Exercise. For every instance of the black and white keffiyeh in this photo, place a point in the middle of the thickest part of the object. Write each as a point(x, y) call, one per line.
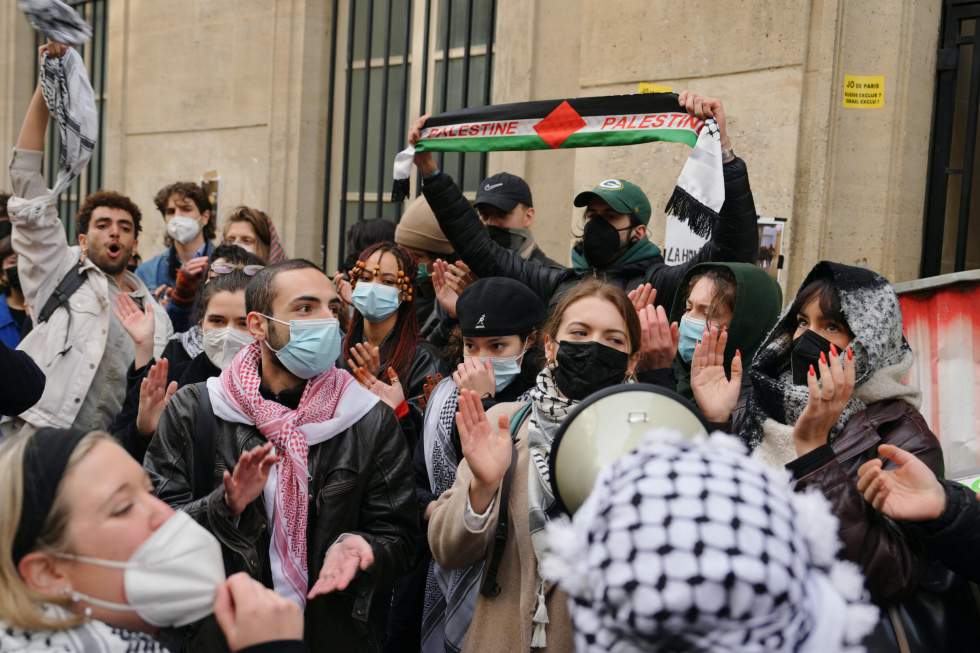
point(694, 546)
point(450, 594)
point(57, 21)
point(68, 94)
point(89, 637)
point(549, 408)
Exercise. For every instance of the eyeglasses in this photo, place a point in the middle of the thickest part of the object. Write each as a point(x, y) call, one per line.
point(226, 268)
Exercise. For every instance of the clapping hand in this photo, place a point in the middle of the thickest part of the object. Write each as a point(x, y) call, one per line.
point(487, 449)
point(392, 394)
point(366, 356)
point(154, 395)
point(341, 563)
point(446, 294)
point(139, 324)
point(658, 339)
point(642, 296)
point(715, 393)
point(910, 492)
point(246, 482)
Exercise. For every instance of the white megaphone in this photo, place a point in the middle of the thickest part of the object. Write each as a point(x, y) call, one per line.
point(607, 425)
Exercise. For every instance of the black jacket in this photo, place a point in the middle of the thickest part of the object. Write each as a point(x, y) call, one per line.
point(954, 538)
point(360, 482)
point(734, 238)
point(21, 381)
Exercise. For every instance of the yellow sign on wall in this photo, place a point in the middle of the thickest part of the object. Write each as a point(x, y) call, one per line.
point(864, 91)
point(650, 87)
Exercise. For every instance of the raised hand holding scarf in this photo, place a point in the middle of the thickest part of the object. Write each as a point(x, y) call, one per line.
point(587, 122)
point(69, 96)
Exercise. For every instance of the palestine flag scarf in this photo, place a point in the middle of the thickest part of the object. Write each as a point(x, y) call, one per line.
point(587, 122)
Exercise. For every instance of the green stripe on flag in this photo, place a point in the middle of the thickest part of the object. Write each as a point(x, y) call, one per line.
point(631, 137)
point(534, 142)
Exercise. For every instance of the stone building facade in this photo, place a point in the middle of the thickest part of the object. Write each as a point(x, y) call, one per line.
point(256, 90)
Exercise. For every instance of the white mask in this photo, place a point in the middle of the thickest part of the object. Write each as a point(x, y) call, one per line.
point(183, 228)
point(221, 345)
point(172, 578)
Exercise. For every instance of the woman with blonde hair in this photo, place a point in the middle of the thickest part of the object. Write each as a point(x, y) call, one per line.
point(90, 560)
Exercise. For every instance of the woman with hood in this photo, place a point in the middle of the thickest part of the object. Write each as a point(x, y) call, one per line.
point(728, 308)
point(826, 389)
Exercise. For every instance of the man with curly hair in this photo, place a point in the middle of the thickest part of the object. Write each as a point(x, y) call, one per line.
point(79, 341)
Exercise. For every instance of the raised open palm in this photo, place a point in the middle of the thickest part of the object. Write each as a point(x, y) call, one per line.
point(487, 449)
point(715, 393)
point(155, 392)
point(446, 295)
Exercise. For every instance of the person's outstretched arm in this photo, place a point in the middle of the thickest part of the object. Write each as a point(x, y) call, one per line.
point(39, 241)
point(735, 236)
point(462, 226)
point(946, 514)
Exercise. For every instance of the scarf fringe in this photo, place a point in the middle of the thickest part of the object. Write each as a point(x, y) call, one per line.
point(699, 218)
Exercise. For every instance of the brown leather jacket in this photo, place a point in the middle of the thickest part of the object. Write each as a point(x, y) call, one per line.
point(892, 561)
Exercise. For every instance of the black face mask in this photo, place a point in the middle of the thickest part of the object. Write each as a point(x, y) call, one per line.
point(13, 277)
point(806, 352)
point(587, 367)
point(600, 242)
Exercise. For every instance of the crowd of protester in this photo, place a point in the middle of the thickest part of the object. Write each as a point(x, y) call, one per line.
point(231, 449)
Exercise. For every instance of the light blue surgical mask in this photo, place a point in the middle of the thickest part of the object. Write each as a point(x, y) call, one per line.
point(691, 332)
point(375, 301)
point(313, 346)
point(505, 370)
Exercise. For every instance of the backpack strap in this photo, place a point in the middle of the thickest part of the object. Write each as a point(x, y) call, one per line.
point(69, 283)
point(203, 443)
point(488, 585)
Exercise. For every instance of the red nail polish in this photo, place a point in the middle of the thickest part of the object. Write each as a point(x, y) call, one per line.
point(823, 358)
point(850, 354)
point(833, 350)
point(812, 373)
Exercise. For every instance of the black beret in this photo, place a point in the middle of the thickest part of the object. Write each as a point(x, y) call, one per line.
point(499, 306)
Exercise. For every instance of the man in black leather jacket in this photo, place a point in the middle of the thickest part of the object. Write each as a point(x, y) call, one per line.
point(734, 237)
point(362, 524)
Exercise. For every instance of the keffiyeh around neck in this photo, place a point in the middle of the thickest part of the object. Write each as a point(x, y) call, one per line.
point(92, 636)
point(235, 397)
point(693, 546)
point(549, 408)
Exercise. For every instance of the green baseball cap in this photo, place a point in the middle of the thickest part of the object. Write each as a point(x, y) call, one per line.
point(623, 196)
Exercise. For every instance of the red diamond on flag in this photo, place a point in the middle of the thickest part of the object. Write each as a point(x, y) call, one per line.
point(555, 128)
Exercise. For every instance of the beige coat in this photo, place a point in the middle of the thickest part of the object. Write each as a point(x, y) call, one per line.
point(43, 258)
point(503, 623)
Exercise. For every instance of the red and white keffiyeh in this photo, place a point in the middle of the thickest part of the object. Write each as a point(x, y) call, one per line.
point(237, 391)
